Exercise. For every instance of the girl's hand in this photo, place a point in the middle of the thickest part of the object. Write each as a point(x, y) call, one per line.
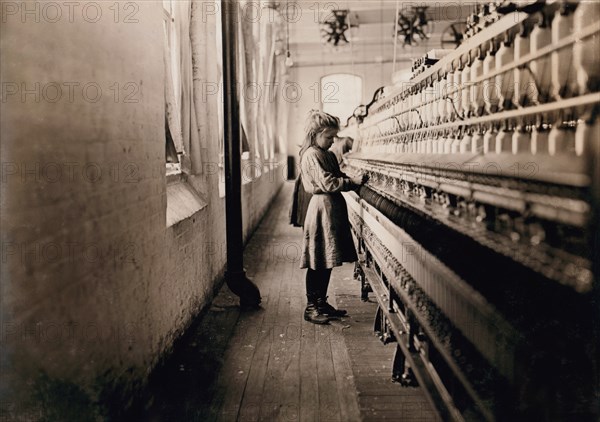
point(358, 180)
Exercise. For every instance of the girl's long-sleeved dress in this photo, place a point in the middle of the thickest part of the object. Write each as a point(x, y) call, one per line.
point(327, 239)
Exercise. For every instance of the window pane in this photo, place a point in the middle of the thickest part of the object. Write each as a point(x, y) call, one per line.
point(341, 93)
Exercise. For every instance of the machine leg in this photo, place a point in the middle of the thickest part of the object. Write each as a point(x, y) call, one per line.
point(365, 287)
point(378, 324)
point(365, 290)
point(401, 372)
point(381, 327)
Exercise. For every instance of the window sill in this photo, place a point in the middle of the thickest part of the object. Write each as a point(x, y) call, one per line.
point(173, 168)
point(182, 200)
point(175, 177)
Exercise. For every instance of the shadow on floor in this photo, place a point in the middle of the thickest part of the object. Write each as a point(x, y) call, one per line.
point(183, 387)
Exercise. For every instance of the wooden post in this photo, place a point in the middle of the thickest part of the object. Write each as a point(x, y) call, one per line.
point(235, 276)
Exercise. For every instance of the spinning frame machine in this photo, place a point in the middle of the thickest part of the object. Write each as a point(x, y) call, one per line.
point(477, 231)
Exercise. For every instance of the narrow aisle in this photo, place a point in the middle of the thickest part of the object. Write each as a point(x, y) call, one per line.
point(270, 364)
point(279, 367)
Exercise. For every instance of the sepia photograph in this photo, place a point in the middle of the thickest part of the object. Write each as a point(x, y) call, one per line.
point(299, 210)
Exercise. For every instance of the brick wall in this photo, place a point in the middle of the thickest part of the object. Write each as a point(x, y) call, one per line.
point(95, 287)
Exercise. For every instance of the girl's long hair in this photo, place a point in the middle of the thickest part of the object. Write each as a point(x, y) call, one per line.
point(317, 122)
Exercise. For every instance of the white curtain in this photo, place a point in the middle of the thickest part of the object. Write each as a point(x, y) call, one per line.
point(172, 105)
point(180, 104)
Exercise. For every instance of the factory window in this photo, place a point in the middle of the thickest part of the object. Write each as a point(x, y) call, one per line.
point(341, 93)
point(173, 133)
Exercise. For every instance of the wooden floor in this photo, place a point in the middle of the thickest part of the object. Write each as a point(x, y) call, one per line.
point(277, 367)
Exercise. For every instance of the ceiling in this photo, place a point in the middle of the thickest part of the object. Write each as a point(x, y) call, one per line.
point(374, 41)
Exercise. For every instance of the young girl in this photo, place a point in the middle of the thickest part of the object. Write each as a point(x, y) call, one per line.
point(327, 239)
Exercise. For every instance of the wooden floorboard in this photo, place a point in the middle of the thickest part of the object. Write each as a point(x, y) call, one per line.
point(273, 405)
point(309, 398)
point(329, 406)
point(344, 376)
point(290, 388)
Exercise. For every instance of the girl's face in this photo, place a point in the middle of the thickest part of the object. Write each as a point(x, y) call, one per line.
point(325, 138)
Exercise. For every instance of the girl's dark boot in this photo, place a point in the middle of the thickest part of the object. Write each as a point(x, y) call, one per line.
point(328, 310)
point(324, 307)
point(311, 313)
